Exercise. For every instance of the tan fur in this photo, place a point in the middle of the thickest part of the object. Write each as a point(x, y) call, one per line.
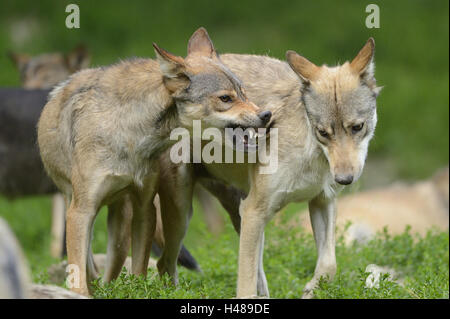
point(361, 61)
point(103, 129)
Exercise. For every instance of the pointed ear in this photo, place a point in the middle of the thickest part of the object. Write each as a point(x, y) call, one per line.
point(19, 59)
point(363, 63)
point(173, 69)
point(200, 43)
point(79, 58)
point(305, 69)
point(171, 65)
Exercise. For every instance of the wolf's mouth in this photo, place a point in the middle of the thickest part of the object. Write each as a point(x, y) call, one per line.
point(246, 138)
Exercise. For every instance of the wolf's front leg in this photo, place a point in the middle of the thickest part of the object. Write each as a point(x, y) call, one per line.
point(322, 212)
point(263, 289)
point(230, 198)
point(254, 219)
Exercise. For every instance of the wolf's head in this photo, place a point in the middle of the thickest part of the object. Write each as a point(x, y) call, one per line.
point(341, 108)
point(205, 89)
point(46, 70)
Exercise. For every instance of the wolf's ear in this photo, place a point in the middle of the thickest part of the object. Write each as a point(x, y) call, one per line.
point(19, 59)
point(173, 69)
point(77, 59)
point(364, 66)
point(200, 43)
point(305, 69)
point(363, 63)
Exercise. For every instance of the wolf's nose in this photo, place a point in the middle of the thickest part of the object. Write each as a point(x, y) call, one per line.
point(265, 116)
point(344, 179)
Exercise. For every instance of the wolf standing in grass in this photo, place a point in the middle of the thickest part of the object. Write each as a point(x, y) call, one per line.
point(102, 131)
point(325, 118)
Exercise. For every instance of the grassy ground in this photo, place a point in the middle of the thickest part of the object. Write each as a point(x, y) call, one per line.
point(423, 263)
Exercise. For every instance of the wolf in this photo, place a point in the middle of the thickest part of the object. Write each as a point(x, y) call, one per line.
point(21, 169)
point(325, 117)
point(102, 131)
point(46, 70)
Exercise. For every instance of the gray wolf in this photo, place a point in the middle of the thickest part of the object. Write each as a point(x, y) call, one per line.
point(421, 205)
point(46, 70)
point(21, 169)
point(325, 118)
point(102, 131)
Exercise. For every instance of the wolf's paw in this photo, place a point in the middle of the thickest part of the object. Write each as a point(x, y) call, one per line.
point(308, 294)
point(308, 291)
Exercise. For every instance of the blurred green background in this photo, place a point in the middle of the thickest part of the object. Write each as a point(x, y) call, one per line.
point(412, 136)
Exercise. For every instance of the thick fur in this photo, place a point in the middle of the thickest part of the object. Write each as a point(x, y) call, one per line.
point(304, 99)
point(102, 131)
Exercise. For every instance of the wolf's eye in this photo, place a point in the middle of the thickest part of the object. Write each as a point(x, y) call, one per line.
point(357, 128)
point(225, 98)
point(323, 133)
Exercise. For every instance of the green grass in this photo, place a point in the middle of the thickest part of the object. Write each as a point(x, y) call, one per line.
point(289, 260)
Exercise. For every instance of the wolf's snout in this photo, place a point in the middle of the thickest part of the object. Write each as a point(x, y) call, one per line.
point(265, 116)
point(343, 179)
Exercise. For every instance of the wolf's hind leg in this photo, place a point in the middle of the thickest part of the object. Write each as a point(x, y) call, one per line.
point(80, 220)
point(143, 225)
point(175, 220)
point(120, 215)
